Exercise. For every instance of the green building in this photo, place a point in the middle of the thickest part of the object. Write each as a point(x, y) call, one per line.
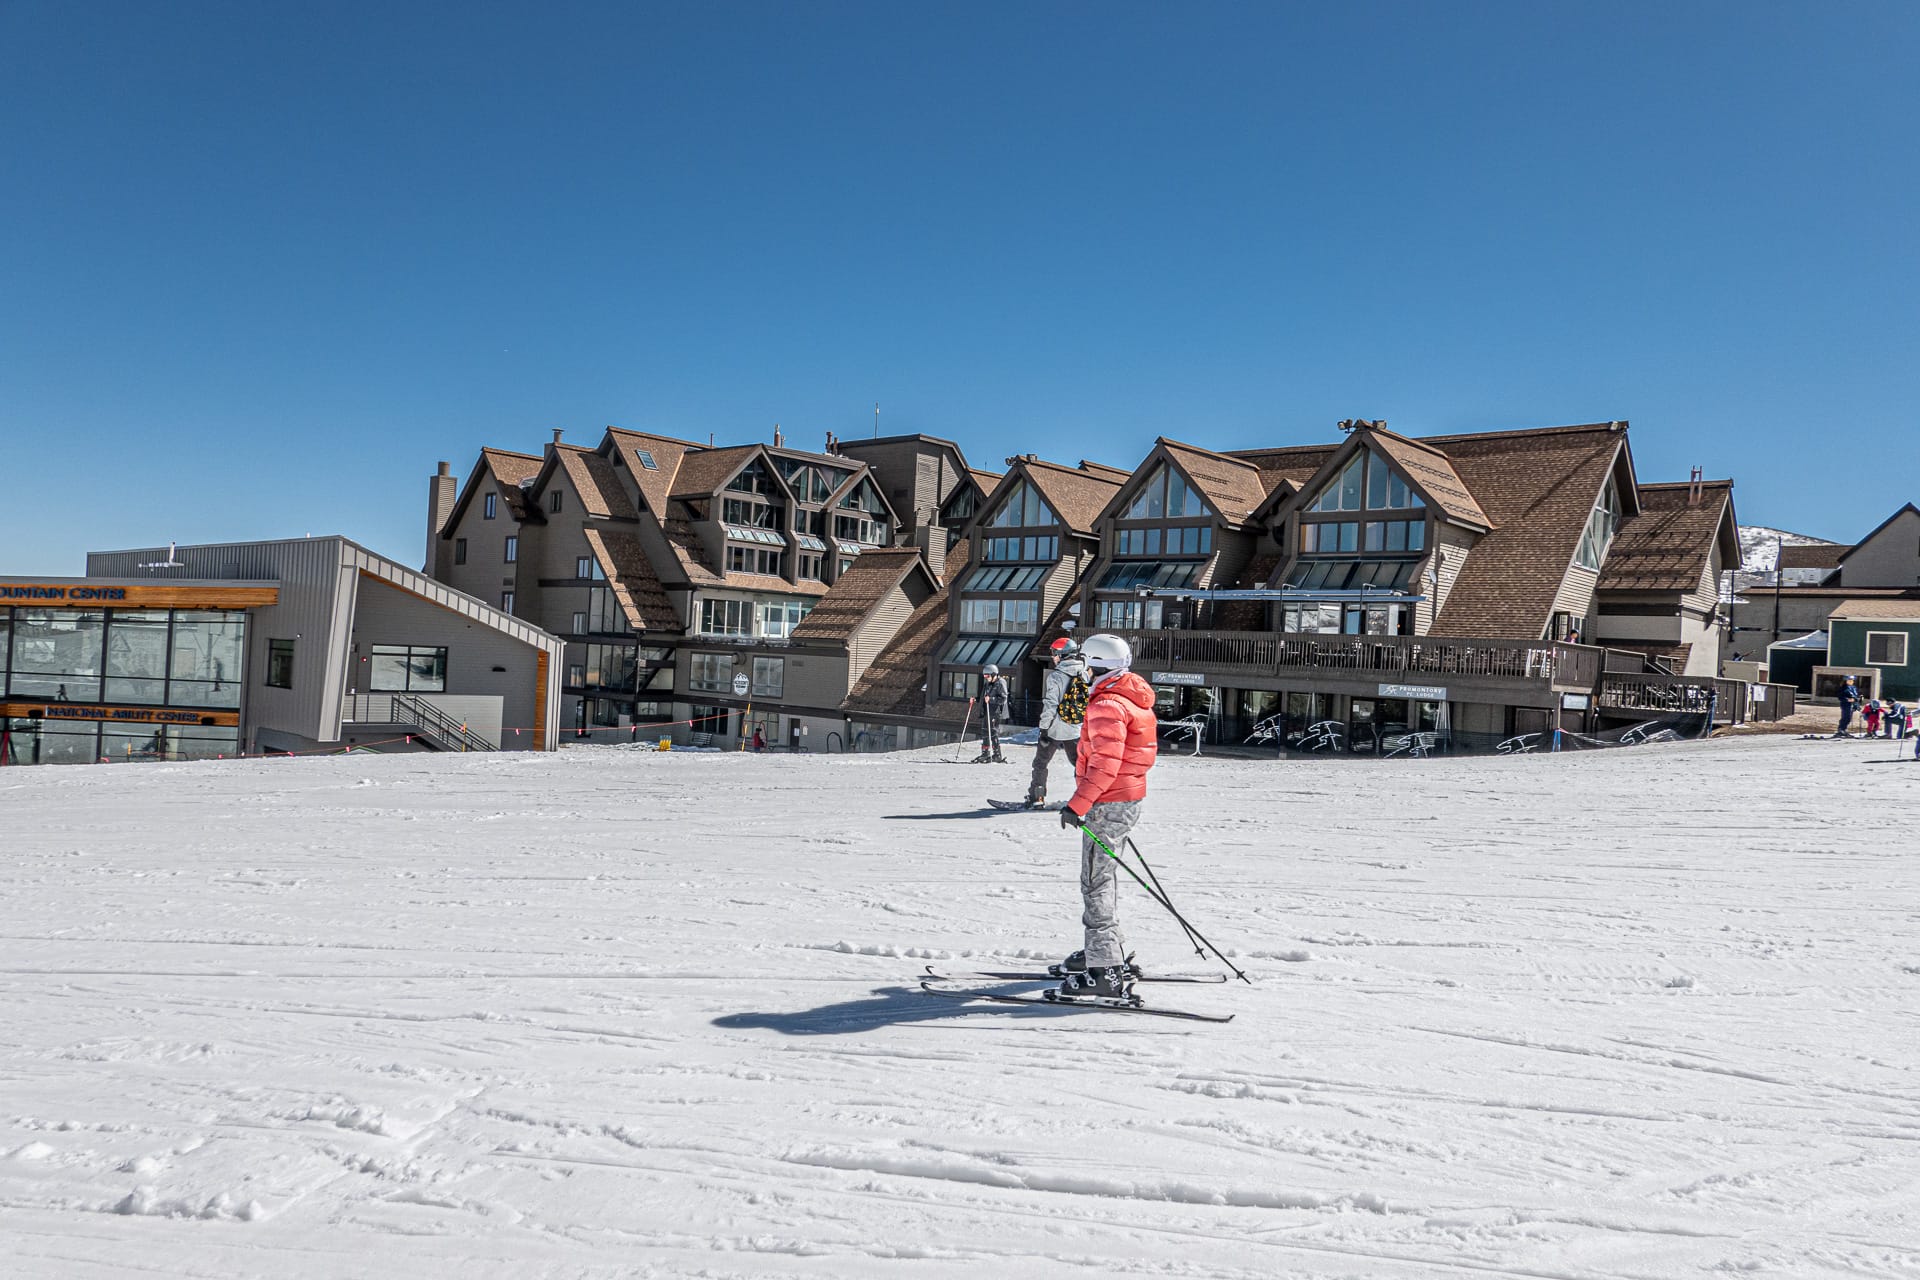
point(1881, 636)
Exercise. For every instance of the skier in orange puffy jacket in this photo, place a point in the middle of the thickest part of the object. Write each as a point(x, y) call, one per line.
point(1119, 741)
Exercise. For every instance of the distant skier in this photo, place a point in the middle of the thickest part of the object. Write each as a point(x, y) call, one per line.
point(993, 710)
point(1872, 717)
point(1063, 706)
point(1849, 699)
point(1119, 742)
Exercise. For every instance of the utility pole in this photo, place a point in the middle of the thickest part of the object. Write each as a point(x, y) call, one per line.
point(876, 419)
point(1779, 549)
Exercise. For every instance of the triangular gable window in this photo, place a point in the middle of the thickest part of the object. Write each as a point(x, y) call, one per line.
point(1166, 496)
point(1368, 478)
point(1023, 508)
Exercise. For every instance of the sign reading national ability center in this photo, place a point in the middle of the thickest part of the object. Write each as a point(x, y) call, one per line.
point(1418, 692)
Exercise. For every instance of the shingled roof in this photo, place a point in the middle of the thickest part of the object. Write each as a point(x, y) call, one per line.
point(1812, 555)
point(656, 482)
point(1284, 472)
point(894, 684)
point(1885, 610)
point(599, 487)
point(1076, 496)
point(704, 472)
point(1232, 486)
point(1668, 546)
point(863, 586)
point(508, 470)
point(1537, 488)
point(631, 578)
point(1435, 475)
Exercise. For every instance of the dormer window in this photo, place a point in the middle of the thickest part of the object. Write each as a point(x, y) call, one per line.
point(1367, 476)
point(753, 478)
point(1023, 508)
point(489, 505)
point(1166, 496)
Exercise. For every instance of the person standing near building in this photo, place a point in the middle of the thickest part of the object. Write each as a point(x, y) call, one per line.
point(1119, 742)
point(1849, 699)
point(993, 709)
point(1063, 705)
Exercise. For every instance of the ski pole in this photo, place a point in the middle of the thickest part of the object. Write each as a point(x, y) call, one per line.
point(1164, 895)
point(964, 722)
point(1128, 868)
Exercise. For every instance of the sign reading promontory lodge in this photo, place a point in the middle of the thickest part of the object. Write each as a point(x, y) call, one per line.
point(159, 594)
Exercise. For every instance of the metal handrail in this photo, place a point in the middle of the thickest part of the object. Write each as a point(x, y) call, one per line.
point(427, 716)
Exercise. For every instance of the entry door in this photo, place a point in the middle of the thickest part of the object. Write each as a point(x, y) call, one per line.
point(1363, 727)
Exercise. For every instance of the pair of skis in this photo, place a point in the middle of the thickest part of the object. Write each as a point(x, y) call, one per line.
point(955, 986)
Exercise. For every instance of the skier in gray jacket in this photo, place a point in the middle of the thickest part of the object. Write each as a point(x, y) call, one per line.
point(1058, 732)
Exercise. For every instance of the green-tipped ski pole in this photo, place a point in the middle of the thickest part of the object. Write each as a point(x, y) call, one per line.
point(1161, 899)
point(1146, 866)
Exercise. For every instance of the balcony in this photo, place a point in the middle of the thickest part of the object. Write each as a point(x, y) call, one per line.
point(1544, 666)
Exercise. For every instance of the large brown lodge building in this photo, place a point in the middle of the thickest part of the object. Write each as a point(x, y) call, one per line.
point(1370, 592)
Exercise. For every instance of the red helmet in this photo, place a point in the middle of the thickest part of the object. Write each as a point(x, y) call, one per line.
point(1063, 646)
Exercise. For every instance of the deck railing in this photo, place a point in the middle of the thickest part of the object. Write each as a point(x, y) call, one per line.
point(1548, 663)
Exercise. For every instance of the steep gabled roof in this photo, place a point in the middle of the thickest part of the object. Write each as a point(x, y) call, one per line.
point(1232, 486)
point(985, 479)
point(499, 471)
point(1076, 496)
point(656, 482)
point(1879, 529)
point(593, 478)
point(895, 683)
point(1538, 488)
point(1668, 546)
point(705, 472)
point(1432, 473)
point(631, 578)
point(858, 591)
point(1285, 472)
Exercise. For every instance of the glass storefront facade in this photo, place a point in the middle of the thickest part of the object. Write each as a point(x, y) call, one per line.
point(167, 660)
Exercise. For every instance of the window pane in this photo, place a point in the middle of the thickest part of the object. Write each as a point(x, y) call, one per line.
point(1350, 536)
point(1350, 485)
point(1416, 535)
point(1378, 482)
point(57, 653)
point(137, 657)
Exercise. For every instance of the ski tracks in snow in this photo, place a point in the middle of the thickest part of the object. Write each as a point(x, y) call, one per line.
point(1641, 1013)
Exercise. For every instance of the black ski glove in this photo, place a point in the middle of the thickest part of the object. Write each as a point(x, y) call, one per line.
point(1070, 821)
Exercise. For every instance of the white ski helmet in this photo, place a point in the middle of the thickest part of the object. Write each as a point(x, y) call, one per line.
point(1106, 654)
point(990, 670)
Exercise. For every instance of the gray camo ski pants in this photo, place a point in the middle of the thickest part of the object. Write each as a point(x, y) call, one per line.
point(1100, 881)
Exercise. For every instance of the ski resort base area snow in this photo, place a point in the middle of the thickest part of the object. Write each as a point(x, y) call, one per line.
point(1648, 1013)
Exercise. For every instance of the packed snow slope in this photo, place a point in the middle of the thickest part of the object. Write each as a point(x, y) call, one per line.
point(1641, 1013)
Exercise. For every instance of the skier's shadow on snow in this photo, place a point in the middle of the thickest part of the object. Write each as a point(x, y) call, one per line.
point(891, 1006)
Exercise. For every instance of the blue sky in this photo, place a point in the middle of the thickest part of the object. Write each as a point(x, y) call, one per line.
point(262, 266)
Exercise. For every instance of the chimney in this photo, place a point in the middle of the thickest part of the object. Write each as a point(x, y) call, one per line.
point(554, 443)
point(442, 488)
point(931, 539)
point(1693, 488)
point(778, 439)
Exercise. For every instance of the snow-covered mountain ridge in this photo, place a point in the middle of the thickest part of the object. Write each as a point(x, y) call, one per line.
point(1760, 546)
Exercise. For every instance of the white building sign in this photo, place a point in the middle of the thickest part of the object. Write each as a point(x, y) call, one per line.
point(1418, 692)
point(741, 684)
point(1178, 677)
